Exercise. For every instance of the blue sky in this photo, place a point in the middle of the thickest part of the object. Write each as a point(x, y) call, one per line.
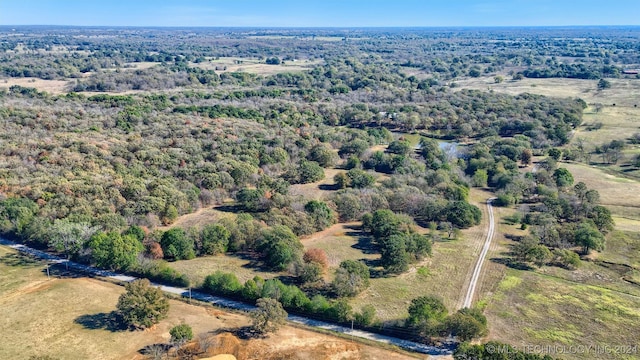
point(320, 13)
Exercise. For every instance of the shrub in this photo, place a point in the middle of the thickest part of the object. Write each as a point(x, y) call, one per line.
point(222, 283)
point(181, 334)
point(352, 277)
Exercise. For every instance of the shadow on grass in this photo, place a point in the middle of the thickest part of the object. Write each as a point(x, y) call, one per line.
point(329, 187)
point(243, 332)
point(512, 263)
point(102, 321)
point(365, 242)
point(20, 260)
point(61, 271)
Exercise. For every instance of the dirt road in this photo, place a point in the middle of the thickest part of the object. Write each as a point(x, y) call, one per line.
point(483, 254)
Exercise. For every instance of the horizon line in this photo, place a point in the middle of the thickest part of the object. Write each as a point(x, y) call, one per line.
point(318, 27)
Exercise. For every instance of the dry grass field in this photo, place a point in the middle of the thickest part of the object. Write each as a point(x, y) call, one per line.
point(51, 86)
point(67, 318)
point(255, 66)
point(198, 219)
point(621, 195)
point(197, 269)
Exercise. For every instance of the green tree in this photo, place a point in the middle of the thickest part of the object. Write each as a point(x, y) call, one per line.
point(215, 239)
point(525, 157)
point(310, 172)
point(465, 326)
point(566, 258)
point(563, 177)
point(383, 224)
point(341, 180)
point(601, 216)
point(322, 215)
point(135, 231)
point(310, 272)
point(169, 215)
point(181, 334)
point(462, 214)
point(394, 254)
point(604, 84)
point(555, 154)
point(251, 199)
point(16, 214)
point(588, 236)
point(352, 277)
point(427, 313)
point(400, 147)
point(323, 155)
point(142, 305)
point(418, 246)
point(360, 179)
point(480, 178)
point(252, 288)
point(279, 247)
point(114, 251)
point(177, 245)
point(269, 316)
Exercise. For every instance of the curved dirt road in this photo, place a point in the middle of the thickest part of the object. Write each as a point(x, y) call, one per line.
point(483, 254)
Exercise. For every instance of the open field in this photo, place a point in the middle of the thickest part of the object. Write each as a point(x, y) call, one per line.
point(199, 218)
point(623, 92)
point(317, 190)
point(343, 241)
point(50, 86)
point(197, 269)
point(68, 318)
point(618, 123)
point(621, 195)
point(534, 309)
point(255, 66)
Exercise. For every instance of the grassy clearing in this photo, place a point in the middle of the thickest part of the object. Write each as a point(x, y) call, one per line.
point(197, 269)
point(51, 86)
point(623, 247)
point(255, 66)
point(534, 309)
point(198, 219)
point(317, 190)
point(621, 195)
point(343, 241)
point(618, 123)
point(623, 92)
